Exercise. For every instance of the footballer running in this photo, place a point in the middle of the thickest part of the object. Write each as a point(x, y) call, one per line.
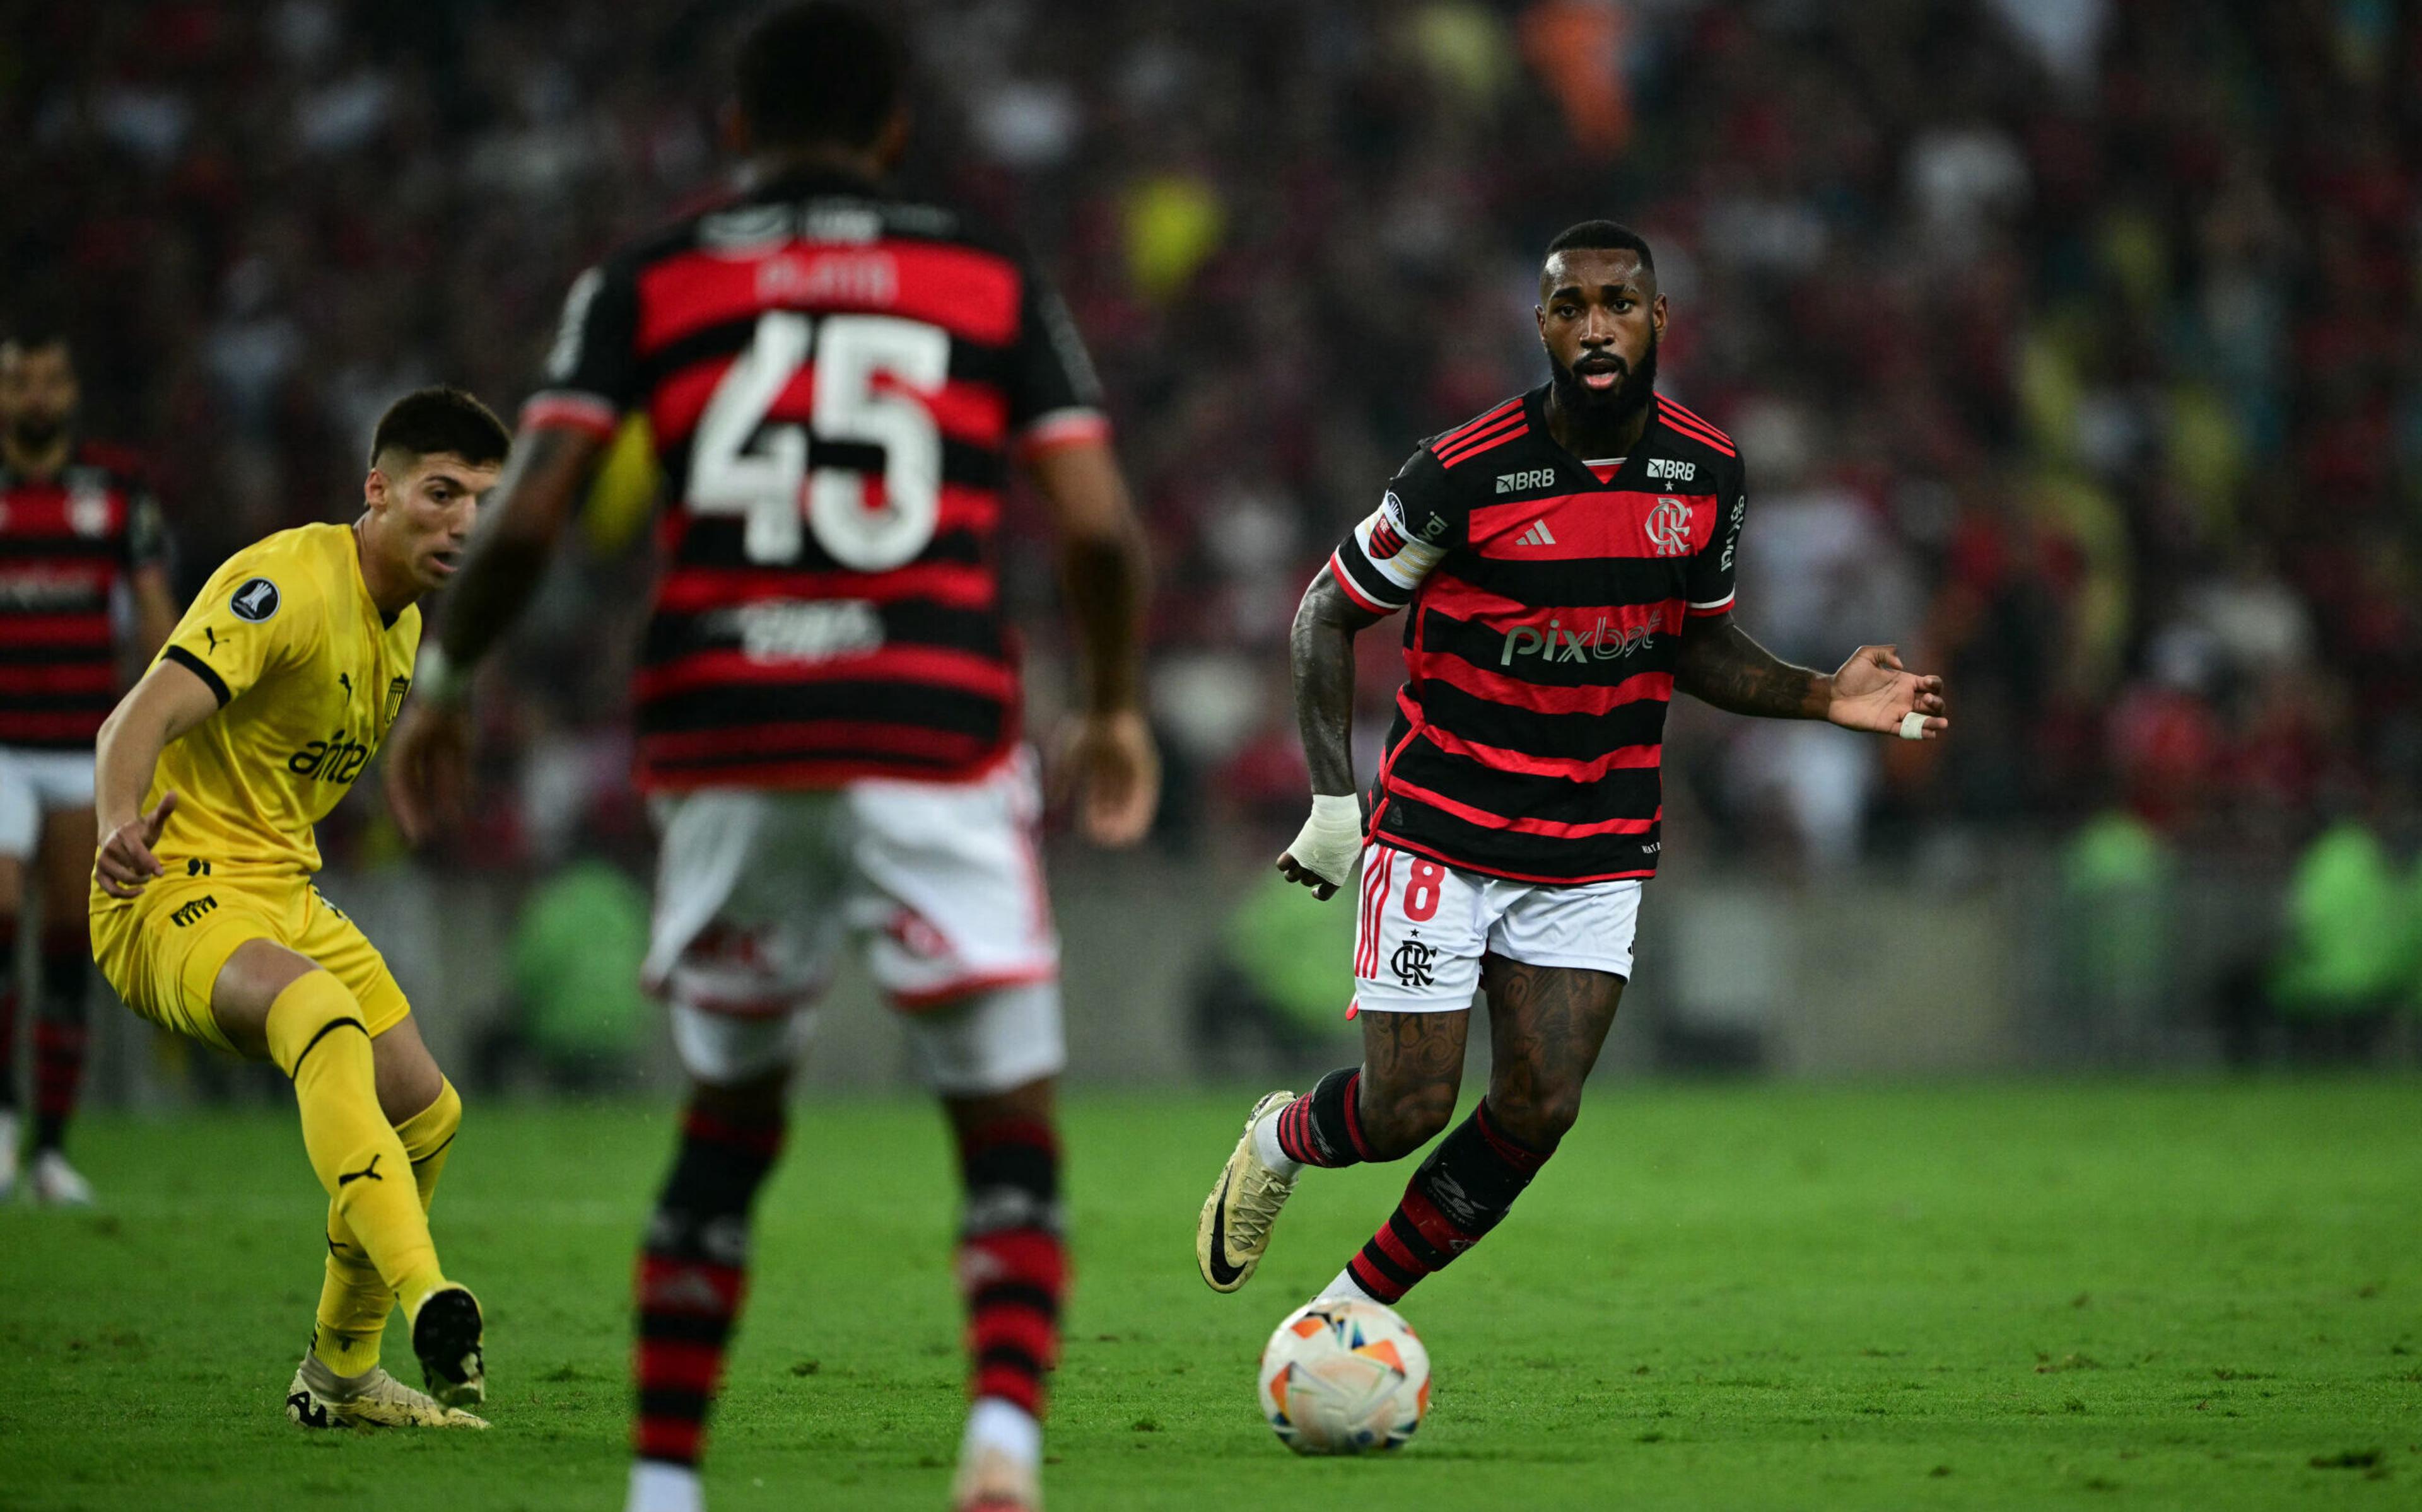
point(1566, 561)
point(269, 699)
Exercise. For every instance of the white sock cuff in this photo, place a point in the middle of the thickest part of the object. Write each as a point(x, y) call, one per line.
point(994, 1424)
point(1266, 1145)
point(1346, 1289)
point(657, 1486)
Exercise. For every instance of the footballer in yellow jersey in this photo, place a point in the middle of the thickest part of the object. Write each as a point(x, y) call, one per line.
point(256, 719)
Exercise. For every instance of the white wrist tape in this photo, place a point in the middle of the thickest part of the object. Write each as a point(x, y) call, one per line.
point(1331, 838)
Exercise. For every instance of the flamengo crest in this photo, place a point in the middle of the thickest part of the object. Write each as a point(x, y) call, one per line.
point(1669, 527)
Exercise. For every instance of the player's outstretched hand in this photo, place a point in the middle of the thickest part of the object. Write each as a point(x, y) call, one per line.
point(1874, 691)
point(126, 862)
point(429, 769)
point(1110, 762)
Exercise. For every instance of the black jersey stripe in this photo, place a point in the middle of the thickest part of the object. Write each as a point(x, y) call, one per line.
point(1624, 794)
point(60, 703)
point(102, 551)
point(735, 706)
point(61, 653)
point(1562, 736)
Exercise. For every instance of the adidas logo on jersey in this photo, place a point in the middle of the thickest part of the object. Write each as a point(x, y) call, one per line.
point(1539, 535)
point(1538, 477)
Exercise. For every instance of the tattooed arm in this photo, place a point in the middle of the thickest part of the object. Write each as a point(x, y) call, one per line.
point(1320, 653)
point(1720, 664)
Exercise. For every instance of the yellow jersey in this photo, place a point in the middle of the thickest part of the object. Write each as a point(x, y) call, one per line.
point(309, 677)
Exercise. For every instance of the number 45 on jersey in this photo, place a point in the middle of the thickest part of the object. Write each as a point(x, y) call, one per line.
point(774, 484)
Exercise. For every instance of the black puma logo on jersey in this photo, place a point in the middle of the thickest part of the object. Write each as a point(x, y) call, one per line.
point(346, 678)
point(213, 636)
point(370, 1171)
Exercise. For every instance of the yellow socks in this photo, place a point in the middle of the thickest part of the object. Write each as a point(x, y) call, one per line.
point(354, 1304)
point(428, 1136)
point(354, 1301)
point(316, 1036)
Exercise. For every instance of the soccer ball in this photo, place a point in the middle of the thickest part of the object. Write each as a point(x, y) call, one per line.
point(1344, 1378)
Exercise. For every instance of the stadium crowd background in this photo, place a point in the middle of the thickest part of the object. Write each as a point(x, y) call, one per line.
point(2074, 345)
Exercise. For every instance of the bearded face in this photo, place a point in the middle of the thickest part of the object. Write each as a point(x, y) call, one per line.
point(37, 393)
point(1603, 389)
point(1600, 320)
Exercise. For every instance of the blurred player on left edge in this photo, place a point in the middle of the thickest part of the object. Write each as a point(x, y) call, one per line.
point(77, 525)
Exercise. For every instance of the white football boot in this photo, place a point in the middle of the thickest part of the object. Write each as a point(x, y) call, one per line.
point(320, 1398)
point(1236, 1217)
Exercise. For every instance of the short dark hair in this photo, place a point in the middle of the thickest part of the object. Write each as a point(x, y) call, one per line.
point(440, 418)
point(1603, 236)
point(821, 73)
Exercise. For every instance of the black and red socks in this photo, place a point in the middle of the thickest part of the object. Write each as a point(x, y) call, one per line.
point(693, 1273)
point(1324, 1126)
point(1012, 1263)
point(1456, 1196)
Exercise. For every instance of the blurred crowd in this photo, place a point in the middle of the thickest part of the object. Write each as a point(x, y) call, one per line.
point(2074, 345)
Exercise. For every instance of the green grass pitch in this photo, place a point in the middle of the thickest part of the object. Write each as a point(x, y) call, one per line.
point(2007, 1295)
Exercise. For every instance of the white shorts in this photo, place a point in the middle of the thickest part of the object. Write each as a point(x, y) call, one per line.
point(758, 891)
point(34, 783)
point(1425, 926)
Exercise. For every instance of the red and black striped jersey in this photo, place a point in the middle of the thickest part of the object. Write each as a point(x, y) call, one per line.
point(1547, 593)
point(66, 542)
point(837, 382)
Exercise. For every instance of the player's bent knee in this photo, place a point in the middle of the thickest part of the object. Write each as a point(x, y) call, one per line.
point(432, 1127)
point(1538, 1122)
point(307, 1010)
point(1397, 1124)
point(256, 975)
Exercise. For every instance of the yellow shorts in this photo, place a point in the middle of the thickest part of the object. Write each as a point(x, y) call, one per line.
point(163, 948)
